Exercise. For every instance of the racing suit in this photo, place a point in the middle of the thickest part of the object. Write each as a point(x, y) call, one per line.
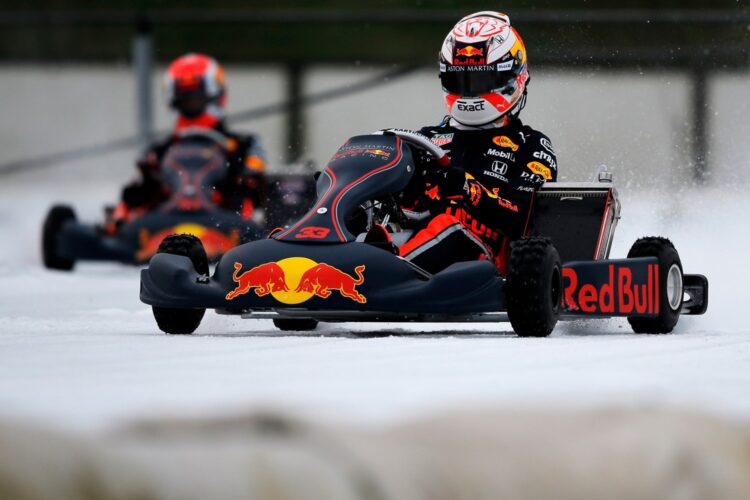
point(483, 200)
point(243, 188)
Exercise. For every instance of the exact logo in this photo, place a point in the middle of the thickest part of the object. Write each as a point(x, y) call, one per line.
point(297, 279)
point(504, 142)
point(540, 169)
point(471, 106)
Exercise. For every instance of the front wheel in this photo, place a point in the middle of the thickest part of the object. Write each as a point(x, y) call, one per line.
point(670, 284)
point(56, 219)
point(182, 321)
point(533, 290)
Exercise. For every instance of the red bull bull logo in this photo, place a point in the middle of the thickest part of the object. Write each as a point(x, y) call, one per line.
point(215, 242)
point(297, 279)
point(378, 152)
point(470, 51)
point(263, 279)
point(362, 151)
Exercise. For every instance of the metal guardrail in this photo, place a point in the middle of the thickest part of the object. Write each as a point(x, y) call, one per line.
point(238, 117)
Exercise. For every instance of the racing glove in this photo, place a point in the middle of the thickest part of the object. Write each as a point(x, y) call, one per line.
point(455, 186)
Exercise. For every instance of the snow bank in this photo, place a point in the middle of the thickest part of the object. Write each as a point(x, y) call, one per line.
point(522, 455)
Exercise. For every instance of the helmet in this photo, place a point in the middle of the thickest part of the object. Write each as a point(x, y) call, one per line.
point(483, 69)
point(195, 87)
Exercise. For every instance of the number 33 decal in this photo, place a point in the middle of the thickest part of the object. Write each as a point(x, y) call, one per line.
point(314, 232)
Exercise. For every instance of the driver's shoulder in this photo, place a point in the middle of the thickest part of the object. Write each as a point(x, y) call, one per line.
point(241, 142)
point(534, 138)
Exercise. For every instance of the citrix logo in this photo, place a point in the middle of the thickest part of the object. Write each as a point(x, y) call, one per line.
point(541, 155)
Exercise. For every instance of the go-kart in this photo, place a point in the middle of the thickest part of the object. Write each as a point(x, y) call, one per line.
point(192, 167)
point(325, 268)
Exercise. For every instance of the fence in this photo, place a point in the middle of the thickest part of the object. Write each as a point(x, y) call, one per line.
point(697, 66)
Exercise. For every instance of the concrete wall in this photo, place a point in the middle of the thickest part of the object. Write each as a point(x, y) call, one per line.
point(636, 123)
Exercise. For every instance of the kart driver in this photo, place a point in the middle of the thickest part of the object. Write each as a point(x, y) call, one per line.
point(196, 90)
point(475, 207)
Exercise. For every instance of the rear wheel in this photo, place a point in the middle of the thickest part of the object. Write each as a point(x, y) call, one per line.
point(534, 288)
point(295, 324)
point(57, 218)
point(670, 284)
point(182, 321)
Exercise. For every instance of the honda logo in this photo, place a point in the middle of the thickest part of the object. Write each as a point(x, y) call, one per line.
point(499, 167)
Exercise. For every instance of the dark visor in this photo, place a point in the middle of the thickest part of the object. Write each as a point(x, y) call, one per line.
point(471, 81)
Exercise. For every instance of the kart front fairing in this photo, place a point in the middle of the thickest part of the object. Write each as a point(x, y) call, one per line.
point(192, 167)
point(138, 240)
point(317, 264)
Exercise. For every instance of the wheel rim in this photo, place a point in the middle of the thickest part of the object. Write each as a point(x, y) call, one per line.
point(555, 291)
point(674, 287)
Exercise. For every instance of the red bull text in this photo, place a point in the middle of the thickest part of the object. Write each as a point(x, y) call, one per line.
point(617, 288)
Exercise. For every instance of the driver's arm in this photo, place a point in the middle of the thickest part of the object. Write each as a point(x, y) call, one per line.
point(245, 186)
point(504, 206)
point(148, 190)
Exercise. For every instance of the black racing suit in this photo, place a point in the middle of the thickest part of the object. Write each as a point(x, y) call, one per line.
point(242, 189)
point(498, 171)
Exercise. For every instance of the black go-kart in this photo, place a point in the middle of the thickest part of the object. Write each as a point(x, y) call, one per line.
point(328, 268)
point(191, 169)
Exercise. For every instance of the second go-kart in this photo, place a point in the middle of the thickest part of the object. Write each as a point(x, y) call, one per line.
point(191, 168)
point(323, 269)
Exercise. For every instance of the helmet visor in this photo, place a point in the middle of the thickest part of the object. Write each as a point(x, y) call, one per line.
point(472, 81)
point(190, 102)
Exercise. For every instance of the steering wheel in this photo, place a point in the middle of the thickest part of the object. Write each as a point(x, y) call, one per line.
point(422, 142)
point(203, 133)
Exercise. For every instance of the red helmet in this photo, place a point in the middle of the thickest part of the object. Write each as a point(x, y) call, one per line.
point(195, 87)
point(483, 69)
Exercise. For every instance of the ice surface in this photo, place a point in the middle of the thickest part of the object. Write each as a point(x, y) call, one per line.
point(79, 350)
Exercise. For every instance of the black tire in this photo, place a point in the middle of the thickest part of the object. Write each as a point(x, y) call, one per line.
point(664, 250)
point(57, 217)
point(182, 321)
point(296, 324)
point(534, 288)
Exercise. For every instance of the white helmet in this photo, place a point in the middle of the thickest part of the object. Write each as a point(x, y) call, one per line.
point(483, 69)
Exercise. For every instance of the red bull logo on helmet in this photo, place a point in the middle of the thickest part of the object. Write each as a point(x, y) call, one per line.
point(297, 279)
point(469, 51)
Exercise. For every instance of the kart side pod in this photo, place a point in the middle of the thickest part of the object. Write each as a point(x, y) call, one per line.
point(632, 287)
